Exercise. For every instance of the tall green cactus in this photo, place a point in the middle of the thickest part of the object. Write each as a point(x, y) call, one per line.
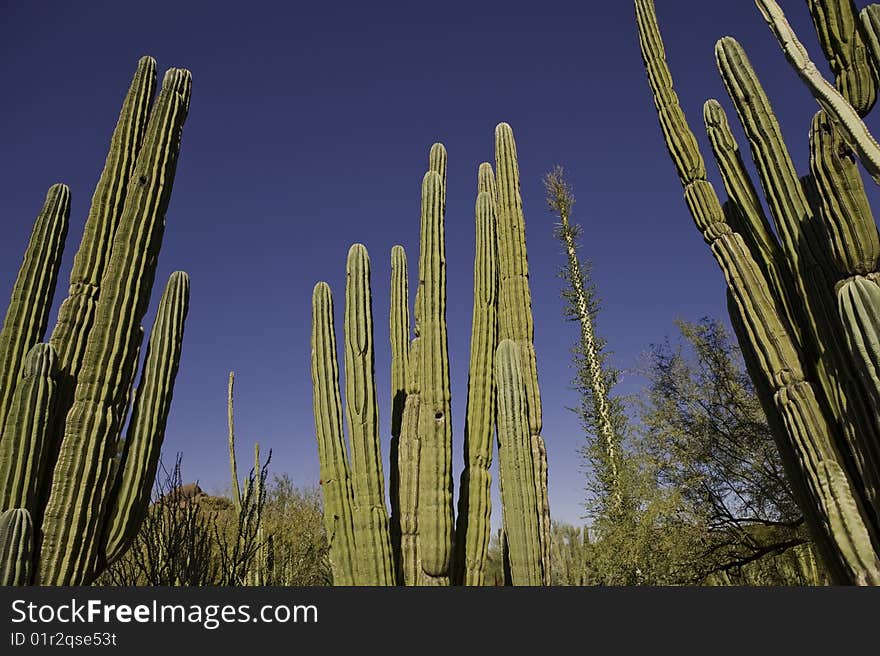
point(335, 471)
point(85, 485)
point(355, 515)
point(782, 293)
point(399, 330)
point(515, 314)
point(473, 529)
point(435, 420)
point(421, 531)
point(28, 312)
point(519, 492)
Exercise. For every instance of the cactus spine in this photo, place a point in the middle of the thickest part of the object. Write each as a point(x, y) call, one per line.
point(786, 322)
point(69, 467)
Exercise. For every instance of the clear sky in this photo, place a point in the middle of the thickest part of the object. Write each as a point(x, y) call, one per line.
point(309, 130)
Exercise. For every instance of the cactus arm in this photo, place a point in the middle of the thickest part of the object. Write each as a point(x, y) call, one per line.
point(336, 484)
point(16, 547)
point(25, 447)
point(840, 35)
point(869, 17)
point(79, 496)
point(408, 468)
point(521, 525)
point(399, 330)
point(435, 430)
point(372, 537)
point(845, 117)
point(473, 530)
point(846, 212)
point(846, 523)
point(146, 430)
point(28, 313)
point(515, 320)
point(77, 312)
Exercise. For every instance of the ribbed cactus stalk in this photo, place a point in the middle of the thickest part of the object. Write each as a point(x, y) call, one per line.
point(515, 309)
point(152, 403)
point(790, 334)
point(77, 312)
point(16, 547)
point(335, 472)
point(399, 330)
point(25, 447)
point(473, 529)
point(435, 421)
point(805, 247)
point(408, 475)
point(519, 493)
point(63, 457)
point(421, 532)
point(28, 312)
point(371, 533)
point(79, 498)
point(840, 35)
point(845, 116)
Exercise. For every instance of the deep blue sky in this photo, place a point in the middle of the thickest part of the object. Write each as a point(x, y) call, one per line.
point(309, 130)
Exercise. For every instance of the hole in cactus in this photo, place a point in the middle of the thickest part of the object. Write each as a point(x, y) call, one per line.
point(142, 180)
point(438, 416)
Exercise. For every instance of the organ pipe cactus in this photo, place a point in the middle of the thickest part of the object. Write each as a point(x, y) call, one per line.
point(335, 470)
point(515, 314)
point(355, 516)
point(782, 292)
point(65, 459)
point(473, 529)
point(519, 492)
point(421, 531)
point(435, 428)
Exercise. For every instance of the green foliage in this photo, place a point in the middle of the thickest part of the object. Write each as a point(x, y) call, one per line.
point(191, 538)
point(67, 460)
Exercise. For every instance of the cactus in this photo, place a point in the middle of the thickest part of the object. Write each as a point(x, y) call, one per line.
point(421, 531)
point(519, 492)
point(353, 494)
point(16, 547)
point(399, 330)
point(435, 429)
point(335, 471)
point(408, 475)
point(782, 293)
point(65, 461)
point(28, 312)
point(845, 116)
point(474, 505)
point(515, 312)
